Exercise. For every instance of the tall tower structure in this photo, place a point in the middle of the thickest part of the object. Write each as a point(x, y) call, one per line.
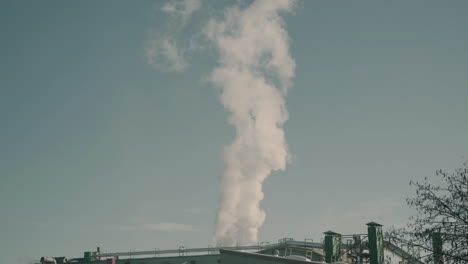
point(376, 252)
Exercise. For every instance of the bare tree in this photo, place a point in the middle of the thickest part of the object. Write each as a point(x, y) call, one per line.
point(439, 231)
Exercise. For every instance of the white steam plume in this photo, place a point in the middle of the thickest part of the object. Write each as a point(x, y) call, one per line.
point(162, 51)
point(182, 8)
point(254, 74)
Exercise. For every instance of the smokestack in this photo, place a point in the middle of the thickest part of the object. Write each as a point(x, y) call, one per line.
point(332, 246)
point(254, 74)
point(374, 233)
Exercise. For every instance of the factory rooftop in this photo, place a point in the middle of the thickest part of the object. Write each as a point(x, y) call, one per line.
point(334, 248)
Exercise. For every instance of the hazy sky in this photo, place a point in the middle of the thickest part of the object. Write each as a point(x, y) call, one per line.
point(105, 142)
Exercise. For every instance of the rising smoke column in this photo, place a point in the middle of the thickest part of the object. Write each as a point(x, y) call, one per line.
point(254, 74)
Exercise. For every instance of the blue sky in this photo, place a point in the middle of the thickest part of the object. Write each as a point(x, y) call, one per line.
point(100, 148)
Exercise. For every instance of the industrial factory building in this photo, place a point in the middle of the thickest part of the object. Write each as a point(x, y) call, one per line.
point(335, 248)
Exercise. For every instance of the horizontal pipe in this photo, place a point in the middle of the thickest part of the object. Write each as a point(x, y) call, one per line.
point(209, 249)
point(174, 251)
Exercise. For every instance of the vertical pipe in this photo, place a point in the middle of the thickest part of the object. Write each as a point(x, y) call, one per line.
point(357, 248)
point(437, 248)
point(374, 233)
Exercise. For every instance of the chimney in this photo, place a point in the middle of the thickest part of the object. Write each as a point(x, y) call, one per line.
point(332, 246)
point(374, 233)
